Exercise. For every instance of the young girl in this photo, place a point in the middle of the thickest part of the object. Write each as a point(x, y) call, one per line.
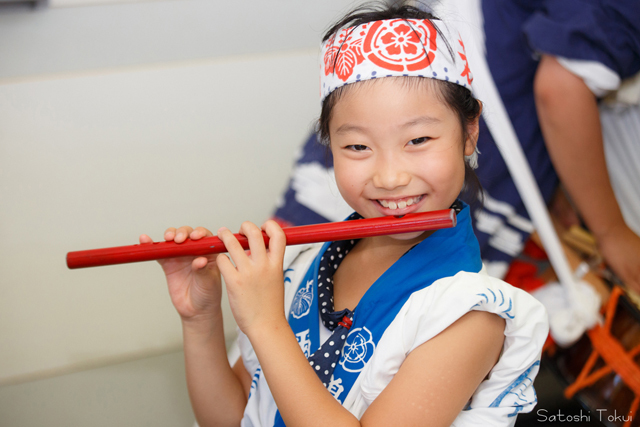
point(403, 330)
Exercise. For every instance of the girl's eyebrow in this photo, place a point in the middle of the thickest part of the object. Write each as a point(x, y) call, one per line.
point(421, 120)
point(348, 127)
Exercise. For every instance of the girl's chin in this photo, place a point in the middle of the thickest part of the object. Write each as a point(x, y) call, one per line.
point(407, 236)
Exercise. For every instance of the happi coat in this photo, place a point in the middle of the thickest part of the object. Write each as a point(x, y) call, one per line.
point(425, 291)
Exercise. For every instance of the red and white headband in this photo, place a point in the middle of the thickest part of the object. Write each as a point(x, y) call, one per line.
point(392, 48)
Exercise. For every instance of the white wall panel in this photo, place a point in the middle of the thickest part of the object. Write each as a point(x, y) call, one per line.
point(93, 161)
point(64, 40)
point(146, 392)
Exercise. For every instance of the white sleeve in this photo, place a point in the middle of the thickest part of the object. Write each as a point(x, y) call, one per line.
point(599, 78)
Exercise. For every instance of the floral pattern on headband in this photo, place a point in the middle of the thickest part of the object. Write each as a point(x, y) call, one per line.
point(397, 45)
point(401, 45)
point(342, 56)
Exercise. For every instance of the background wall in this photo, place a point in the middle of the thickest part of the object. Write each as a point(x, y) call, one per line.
point(122, 118)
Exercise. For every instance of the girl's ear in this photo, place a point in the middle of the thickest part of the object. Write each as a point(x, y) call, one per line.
point(473, 131)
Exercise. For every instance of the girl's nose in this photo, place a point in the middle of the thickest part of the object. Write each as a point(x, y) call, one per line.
point(390, 175)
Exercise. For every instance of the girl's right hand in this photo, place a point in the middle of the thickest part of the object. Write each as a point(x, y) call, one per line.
point(194, 282)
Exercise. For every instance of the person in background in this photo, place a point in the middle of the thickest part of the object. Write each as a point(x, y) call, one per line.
point(551, 62)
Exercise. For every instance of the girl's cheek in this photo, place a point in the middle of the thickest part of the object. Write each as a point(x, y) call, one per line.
point(345, 171)
point(342, 179)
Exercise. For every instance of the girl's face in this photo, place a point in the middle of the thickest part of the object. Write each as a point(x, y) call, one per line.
point(397, 149)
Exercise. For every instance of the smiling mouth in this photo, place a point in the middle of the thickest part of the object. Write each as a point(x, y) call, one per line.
point(399, 203)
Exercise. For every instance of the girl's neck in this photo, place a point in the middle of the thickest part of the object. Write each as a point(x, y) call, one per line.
point(388, 246)
point(364, 264)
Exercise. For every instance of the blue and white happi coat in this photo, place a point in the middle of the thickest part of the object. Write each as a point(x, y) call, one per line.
point(424, 292)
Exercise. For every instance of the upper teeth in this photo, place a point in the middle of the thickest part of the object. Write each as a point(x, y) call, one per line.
point(399, 204)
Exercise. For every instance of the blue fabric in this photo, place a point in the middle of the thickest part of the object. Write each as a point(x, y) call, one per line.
point(513, 67)
point(443, 254)
point(603, 31)
point(326, 358)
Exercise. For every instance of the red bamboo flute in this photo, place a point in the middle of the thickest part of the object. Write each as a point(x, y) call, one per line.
point(356, 229)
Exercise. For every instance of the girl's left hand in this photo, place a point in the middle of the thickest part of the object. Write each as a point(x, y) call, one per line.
point(255, 284)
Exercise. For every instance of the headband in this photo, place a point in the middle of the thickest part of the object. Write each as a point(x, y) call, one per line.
point(392, 48)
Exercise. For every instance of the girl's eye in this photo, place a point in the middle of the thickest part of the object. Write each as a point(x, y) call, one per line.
point(419, 141)
point(357, 147)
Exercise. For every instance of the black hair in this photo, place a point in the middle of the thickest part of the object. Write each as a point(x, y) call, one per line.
point(458, 98)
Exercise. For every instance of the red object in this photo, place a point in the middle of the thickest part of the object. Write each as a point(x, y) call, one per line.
point(523, 275)
point(534, 251)
point(346, 322)
point(332, 231)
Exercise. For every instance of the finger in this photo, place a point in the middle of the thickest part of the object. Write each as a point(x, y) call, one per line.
point(277, 240)
point(169, 234)
point(235, 250)
point(256, 240)
point(226, 268)
point(199, 233)
point(199, 263)
point(182, 234)
point(145, 239)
